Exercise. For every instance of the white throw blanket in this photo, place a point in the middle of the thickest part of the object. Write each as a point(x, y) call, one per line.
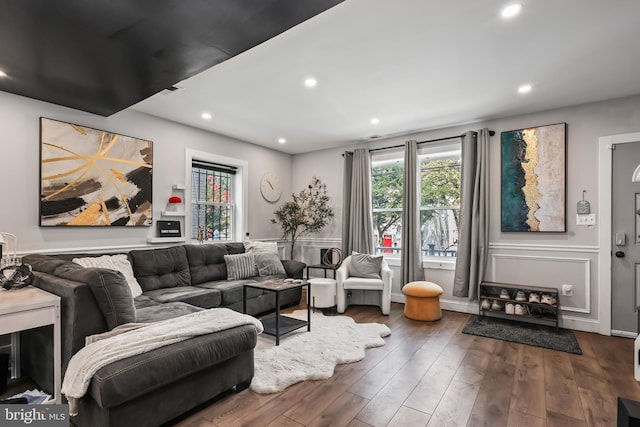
point(86, 362)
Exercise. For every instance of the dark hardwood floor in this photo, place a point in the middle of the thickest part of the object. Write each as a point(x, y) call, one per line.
point(432, 374)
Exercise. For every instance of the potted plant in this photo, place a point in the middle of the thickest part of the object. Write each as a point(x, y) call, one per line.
point(307, 212)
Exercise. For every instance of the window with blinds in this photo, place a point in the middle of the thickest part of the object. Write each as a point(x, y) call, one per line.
point(212, 196)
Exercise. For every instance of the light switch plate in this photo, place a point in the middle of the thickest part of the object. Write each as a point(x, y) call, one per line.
point(589, 219)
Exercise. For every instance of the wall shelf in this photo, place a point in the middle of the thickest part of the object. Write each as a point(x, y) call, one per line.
point(166, 239)
point(179, 187)
point(174, 213)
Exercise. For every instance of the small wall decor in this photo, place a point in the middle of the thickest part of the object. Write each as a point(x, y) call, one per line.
point(90, 177)
point(533, 179)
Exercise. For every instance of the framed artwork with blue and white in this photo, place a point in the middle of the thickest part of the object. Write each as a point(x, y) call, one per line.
point(533, 179)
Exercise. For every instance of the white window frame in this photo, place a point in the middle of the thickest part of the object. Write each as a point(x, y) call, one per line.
point(240, 190)
point(423, 151)
point(441, 149)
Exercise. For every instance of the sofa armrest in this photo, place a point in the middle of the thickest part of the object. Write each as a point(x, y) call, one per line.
point(294, 269)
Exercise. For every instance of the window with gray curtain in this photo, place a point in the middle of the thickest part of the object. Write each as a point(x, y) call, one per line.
point(439, 205)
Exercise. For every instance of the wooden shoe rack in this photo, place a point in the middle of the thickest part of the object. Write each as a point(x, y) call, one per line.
point(538, 313)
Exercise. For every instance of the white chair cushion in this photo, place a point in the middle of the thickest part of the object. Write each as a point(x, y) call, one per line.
point(362, 283)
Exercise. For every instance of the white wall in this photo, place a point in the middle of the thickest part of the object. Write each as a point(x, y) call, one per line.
point(545, 259)
point(19, 173)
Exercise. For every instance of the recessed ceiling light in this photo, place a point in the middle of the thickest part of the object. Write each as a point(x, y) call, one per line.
point(310, 82)
point(511, 10)
point(206, 116)
point(524, 89)
point(375, 121)
point(281, 140)
point(3, 74)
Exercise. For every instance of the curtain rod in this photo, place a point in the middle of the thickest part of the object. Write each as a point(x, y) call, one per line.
point(491, 133)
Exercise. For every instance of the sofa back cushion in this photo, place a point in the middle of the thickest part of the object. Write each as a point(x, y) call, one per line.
point(206, 262)
point(235, 248)
point(161, 268)
point(108, 287)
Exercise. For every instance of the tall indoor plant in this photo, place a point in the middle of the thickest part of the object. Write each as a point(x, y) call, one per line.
point(307, 212)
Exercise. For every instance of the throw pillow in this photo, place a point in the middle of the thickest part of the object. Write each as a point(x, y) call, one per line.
point(269, 264)
point(365, 266)
point(119, 263)
point(252, 246)
point(241, 266)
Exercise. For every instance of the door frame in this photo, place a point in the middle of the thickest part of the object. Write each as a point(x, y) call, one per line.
point(605, 158)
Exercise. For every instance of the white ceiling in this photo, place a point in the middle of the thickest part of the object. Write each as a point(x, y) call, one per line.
point(415, 65)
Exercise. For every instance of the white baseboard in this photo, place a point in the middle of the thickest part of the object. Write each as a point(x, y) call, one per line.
point(568, 322)
point(624, 334)
point(470, 307)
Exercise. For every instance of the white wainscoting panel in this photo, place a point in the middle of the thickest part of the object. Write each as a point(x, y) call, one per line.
point(547, 271)
point(309, 248)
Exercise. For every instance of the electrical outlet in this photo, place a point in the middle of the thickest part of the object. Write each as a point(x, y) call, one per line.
point(589, 219)
point(567, 290)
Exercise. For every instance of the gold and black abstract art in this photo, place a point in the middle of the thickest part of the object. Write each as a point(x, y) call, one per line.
point(90, 177)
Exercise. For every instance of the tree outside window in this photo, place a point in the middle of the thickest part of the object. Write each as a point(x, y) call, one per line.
point(439, 204)
point(212, 203)
point(386, 186)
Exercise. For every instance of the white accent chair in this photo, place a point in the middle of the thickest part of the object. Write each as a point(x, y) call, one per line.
point(361, 291)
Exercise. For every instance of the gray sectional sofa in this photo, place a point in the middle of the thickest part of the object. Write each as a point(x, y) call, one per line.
point(155, 387)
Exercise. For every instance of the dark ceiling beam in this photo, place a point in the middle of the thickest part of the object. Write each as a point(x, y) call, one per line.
point(102, 56)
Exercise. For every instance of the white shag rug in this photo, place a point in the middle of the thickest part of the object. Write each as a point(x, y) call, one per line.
point(313, 355)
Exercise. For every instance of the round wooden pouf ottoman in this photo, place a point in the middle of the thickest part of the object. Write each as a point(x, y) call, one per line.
point(422, 301)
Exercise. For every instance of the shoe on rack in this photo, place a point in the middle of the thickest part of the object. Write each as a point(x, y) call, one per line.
point(509, 308)
point(534, 297)
point(536, 311)
point(504, 294)
point(486, 304)
point(521, 296)
point(520, 310)
point(548, 299)
point(496, 306)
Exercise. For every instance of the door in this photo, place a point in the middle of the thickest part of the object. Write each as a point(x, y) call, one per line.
point(625, 234)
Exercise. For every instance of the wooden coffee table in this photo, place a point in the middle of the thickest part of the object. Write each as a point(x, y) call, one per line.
point(278, 325)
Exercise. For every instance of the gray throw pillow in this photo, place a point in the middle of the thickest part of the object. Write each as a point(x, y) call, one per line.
point(269, 264)
point(365, 266)
point(241, 266)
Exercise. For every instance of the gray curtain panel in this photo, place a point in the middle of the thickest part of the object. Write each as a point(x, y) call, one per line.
point(346, 200)
point(411, 254)
point(358, 227)
point(473, 231)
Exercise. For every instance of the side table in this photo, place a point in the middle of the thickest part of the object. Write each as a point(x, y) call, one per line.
point(323, 267)
point(278, 325)
point(28, 308)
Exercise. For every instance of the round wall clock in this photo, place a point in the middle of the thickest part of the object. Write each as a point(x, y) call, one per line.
point(270, 187)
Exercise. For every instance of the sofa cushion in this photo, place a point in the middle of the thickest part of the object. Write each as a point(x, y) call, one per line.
point(109, 288)
point(125, 380)
point(144, 301)
point(206, 262)
point(235, 248)
point(269, 264)
point(241, 266)
point(170, 310)
point(256, 247)
point(200, 297)
point(118, 262)
point(231, 290)
point(161, 268)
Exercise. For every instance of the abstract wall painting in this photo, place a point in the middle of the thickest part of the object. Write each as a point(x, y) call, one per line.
point(533, 179)
point(90, 177)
